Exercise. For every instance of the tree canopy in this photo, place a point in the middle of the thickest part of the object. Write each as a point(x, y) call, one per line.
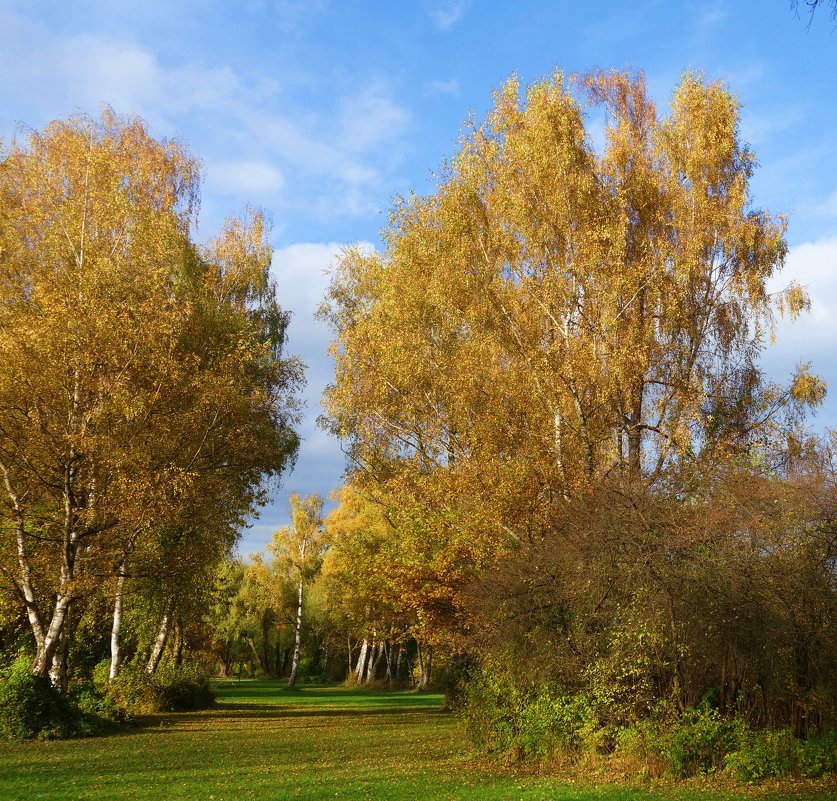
point(555, 361)
point(144, 394)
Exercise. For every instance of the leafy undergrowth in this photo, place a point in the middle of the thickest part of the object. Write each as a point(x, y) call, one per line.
point(265, 742)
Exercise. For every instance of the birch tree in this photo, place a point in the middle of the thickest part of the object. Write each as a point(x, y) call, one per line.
point(139, 372)
point(298, 551)
point(557, 314)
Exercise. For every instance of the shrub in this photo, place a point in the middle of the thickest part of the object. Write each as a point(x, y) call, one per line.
point(100, 710)
point(541, 723)
point(31, 707)
point(817, 756)
point(490, 711)
point(454, 681)
point(172, 688)
point(775, 754)
point(701, 742)
point(183, 688)
point(763, 754)
point(534, 724)
point(551, 722)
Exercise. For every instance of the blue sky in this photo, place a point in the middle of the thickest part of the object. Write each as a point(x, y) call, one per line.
point(321, 111)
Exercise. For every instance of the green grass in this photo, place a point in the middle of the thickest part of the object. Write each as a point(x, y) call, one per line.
point(265, 742)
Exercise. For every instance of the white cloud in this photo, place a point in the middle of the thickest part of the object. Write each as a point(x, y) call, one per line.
point(814, 265)
point(254, 137)
point(253, 179)
point(449, 87)
point(370, 119)
point(445, 16)
point(91, 70)
point(813, 336)
point(301, 272)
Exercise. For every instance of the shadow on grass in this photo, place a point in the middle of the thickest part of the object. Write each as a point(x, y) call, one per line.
point(277, 693)
point(280, 686)
point(326, 703)
point(228, 710)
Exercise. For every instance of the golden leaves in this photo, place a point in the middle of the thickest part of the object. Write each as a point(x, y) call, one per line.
point(807, 389)
point(552, 315)
point(143, 388)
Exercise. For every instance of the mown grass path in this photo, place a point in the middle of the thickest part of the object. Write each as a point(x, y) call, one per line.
point(264, 742)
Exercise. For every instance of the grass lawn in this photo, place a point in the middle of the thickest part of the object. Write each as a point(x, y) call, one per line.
point(264, 742)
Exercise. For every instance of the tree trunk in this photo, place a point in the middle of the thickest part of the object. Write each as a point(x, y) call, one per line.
point(46, 647)
point(420, 661)
point(360, 667)
point(224, 664)
point(266, 624)
point(178, 643)
point(388, 654)
point(372, 670)
point(398, 662)
point(326, 660)
point(372, 662)
point(350, 651)
point(160, 642)
point(425, 661)
point(115, 644)
point(58, 668)
point(298, 638)
point(257, 655)
point(678, 687)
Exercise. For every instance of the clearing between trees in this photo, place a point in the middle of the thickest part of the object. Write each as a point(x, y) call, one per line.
point(263, 741)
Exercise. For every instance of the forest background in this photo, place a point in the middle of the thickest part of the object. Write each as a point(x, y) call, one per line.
point(320, 112)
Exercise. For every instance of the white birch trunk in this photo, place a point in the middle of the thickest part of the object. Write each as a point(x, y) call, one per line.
point(58, 668)
point(50, 642)
point(399, 662)
point(425, 661)
point(381, 652)
point(428, 666)
point(115, 643)
point(388, 654)
point(349, 660)
point(160, 642)
point(360, 667)
point(298, 639)
point(420, 660)
point(372, 662)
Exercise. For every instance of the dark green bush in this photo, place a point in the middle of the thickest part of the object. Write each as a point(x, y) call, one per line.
point(309, 666)
point(541, 723)
point(172, 688)
point(701, 742)
point(817, 756)
point(31, 707)
point(100, 710)
point(490, 711)
point(183, 688)
point(454, 681)
point(551, 722)
point(776, 754)
point(538, 723)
